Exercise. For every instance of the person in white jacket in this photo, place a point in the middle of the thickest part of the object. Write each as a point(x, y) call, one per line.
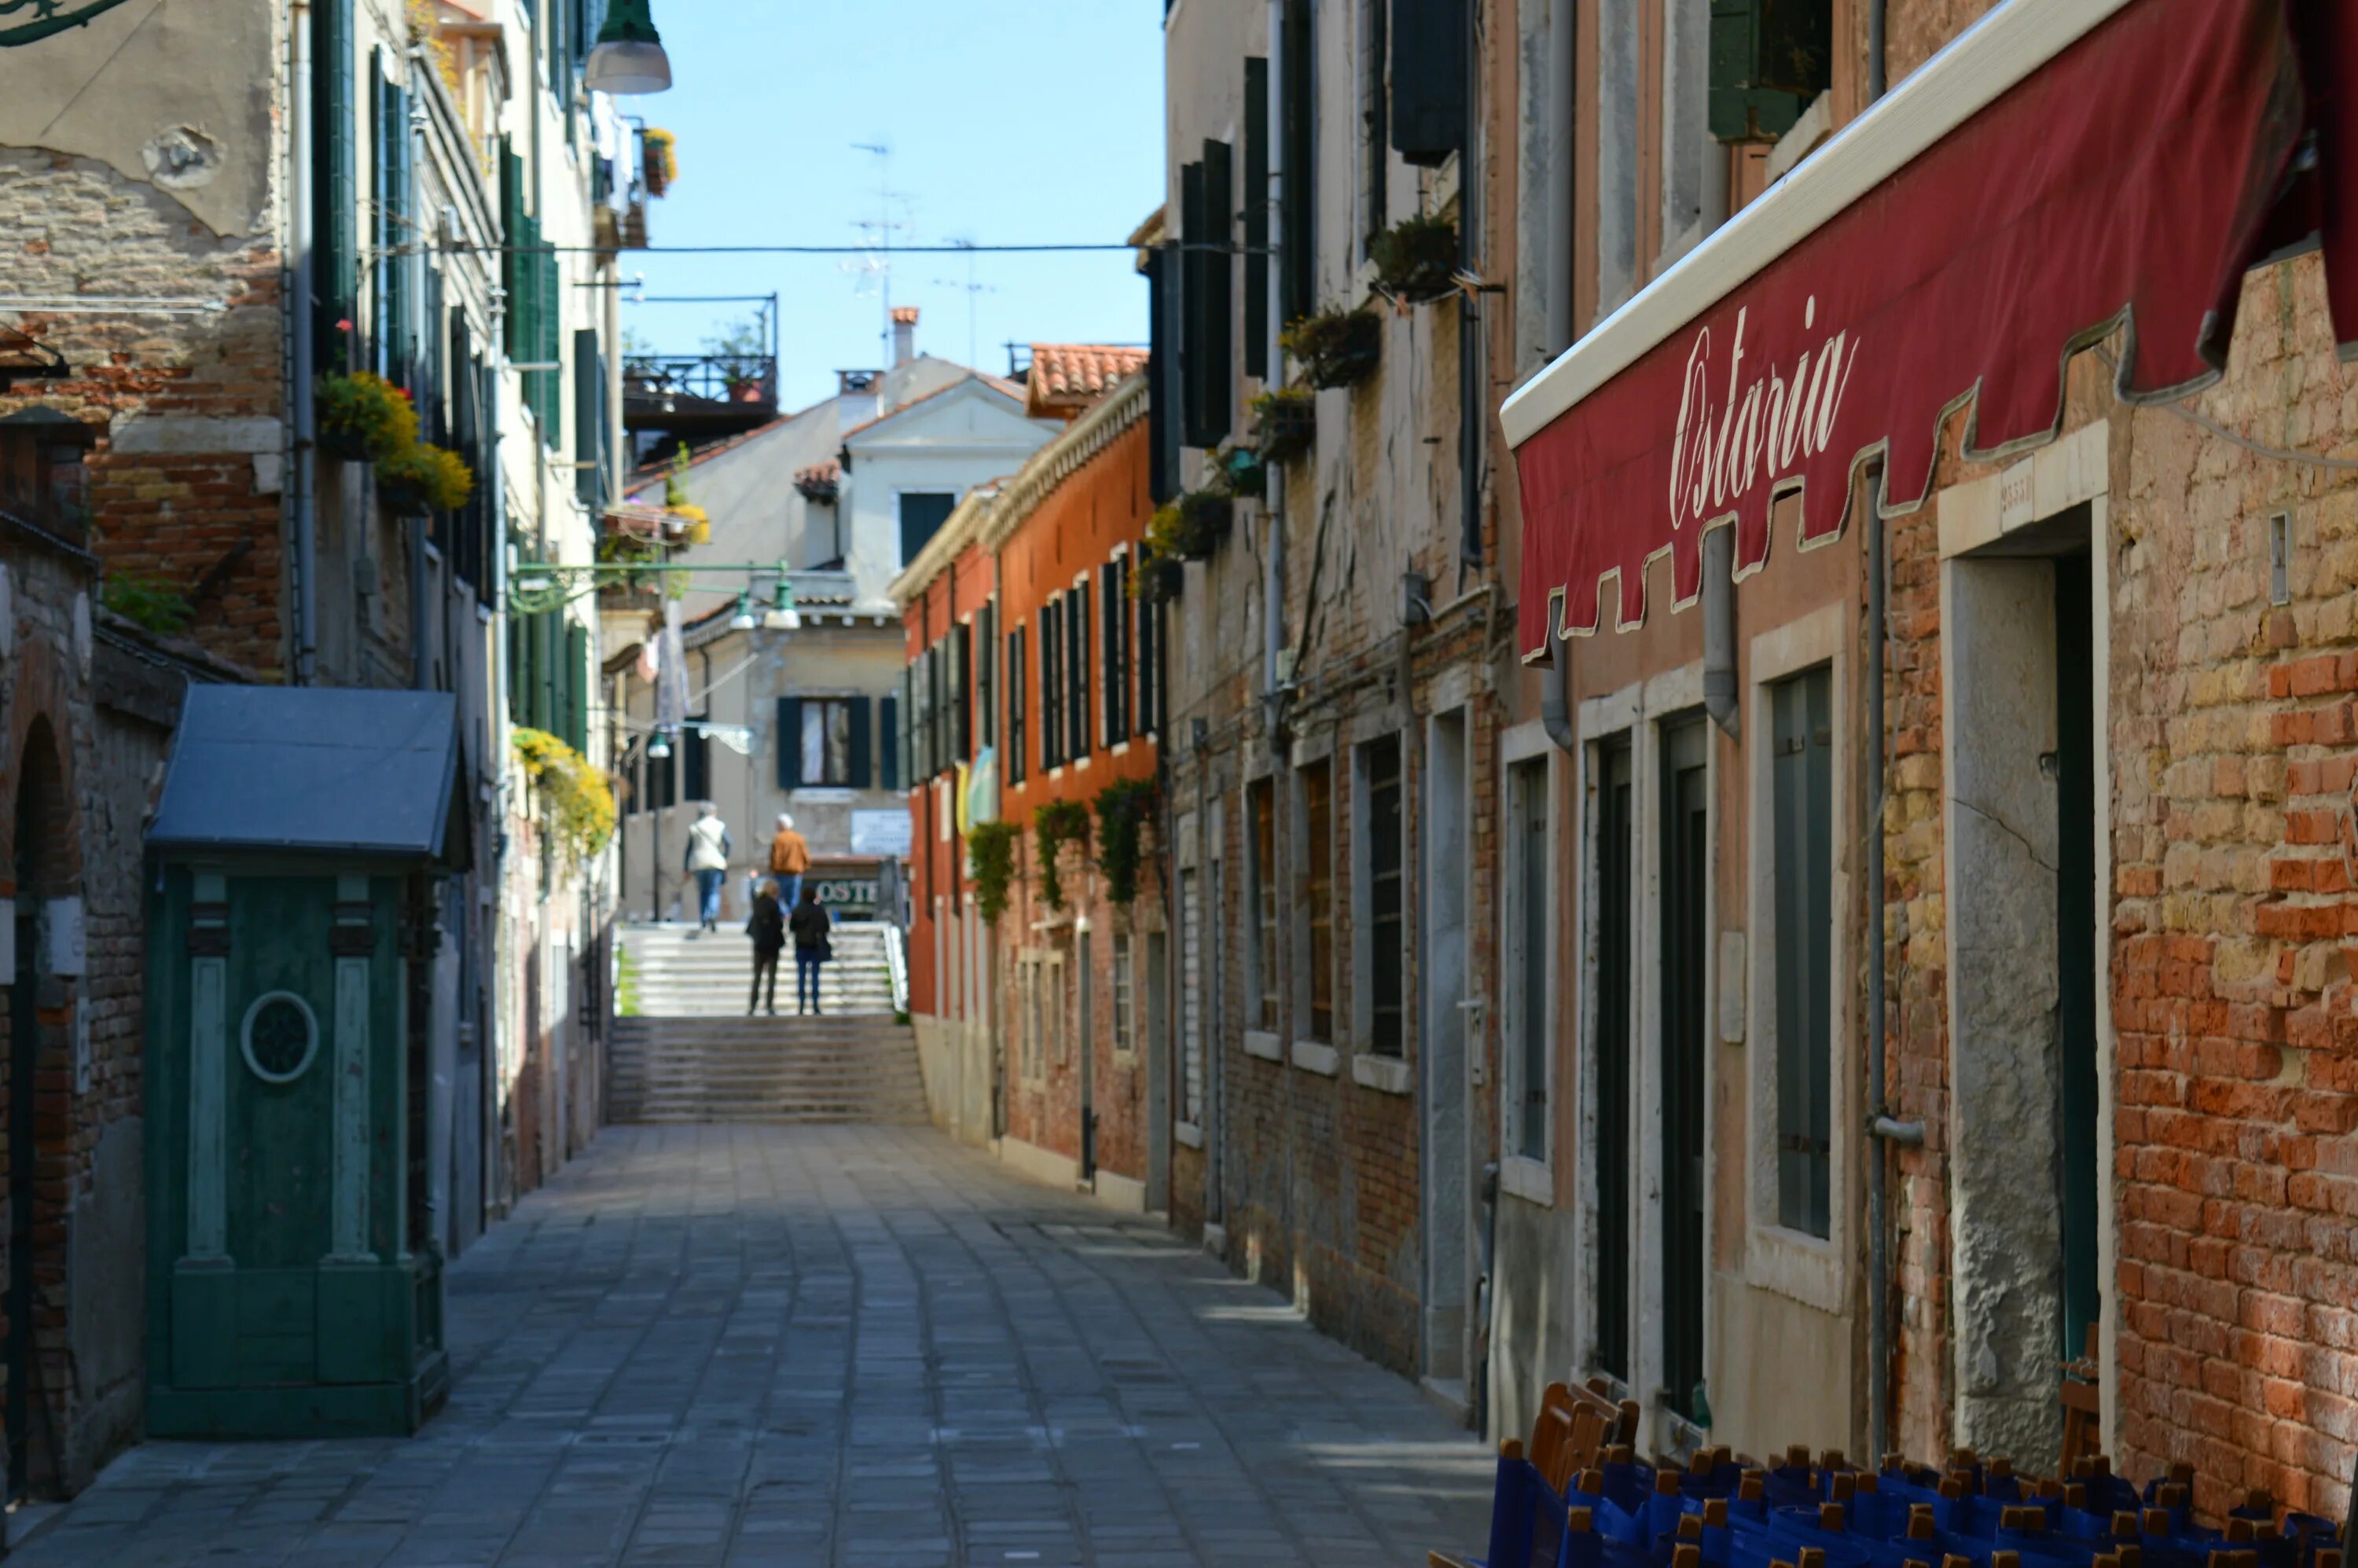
point(707, 861)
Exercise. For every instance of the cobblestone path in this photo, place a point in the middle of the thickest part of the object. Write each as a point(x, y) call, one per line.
point(860, 1346)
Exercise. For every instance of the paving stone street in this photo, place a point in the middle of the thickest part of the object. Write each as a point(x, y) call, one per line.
point(852, 1346)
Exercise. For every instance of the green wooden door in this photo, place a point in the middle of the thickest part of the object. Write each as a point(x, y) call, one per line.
point(278, 1120)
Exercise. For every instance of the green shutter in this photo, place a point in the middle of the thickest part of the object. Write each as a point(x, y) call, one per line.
point(578, 676)
point(550, 403)
point(589, 426)
point(856, 763)
point(515, 269)
point(335, 218)
point(891, 750)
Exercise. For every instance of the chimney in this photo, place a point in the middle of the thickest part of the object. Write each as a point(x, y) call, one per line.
point(904, 334)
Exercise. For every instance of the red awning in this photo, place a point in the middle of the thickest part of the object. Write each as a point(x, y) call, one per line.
point(2131, 175)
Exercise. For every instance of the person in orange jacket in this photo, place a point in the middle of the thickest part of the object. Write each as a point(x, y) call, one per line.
point(789, 859)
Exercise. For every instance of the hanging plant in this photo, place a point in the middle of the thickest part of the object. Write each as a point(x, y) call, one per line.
point(1157, 580)
point(1190, 525)
point(1335, 348)
point(576, 805)
point(662, 159)
point(990, 861)
point(1122, 812)
point(1288, 416)
point(1054, 825)
point(423, 479)
point(363, 418)
point(1416, 258)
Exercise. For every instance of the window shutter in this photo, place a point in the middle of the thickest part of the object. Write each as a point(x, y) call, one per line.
point(961, 655)
point(1165, 394)
point(1146, 715)
point(1108, 659)
point(1298, 110)
point(790, 742)
point(549, 302)
point(1219, 292)
point(907, 714)
point(986, 674)
point(589, 386)
point(1769, 59)
point(887, 723)
point(335, 218)
point(856, 761)
point(1428, 72)
point(1076, 638)
point(1194, 230)
point(577, 668)
point(1051, 683)
point(1016, 738)
point(516, 262)
point(1255, 203)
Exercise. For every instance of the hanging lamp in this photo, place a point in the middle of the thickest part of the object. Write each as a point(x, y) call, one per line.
point(629, 57)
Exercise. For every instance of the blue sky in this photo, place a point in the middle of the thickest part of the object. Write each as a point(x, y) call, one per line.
point(1010, 122)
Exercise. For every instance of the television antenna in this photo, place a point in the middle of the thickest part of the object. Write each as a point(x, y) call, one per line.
point(874, 267)
point(965, 244)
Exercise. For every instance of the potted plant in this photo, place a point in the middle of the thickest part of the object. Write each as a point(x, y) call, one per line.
point(695, 522)
point(1335, 348)
point(1416, 258)
point(363, 418)
point(1190, 525)
point(661, 159)
point(1288, 416)
point(422, 478)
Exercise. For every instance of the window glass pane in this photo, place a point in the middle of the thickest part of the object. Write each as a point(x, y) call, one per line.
point(1802, 781)
point(1122, 990)
point(814, 759)
point(1528, 1122)
point(1318, 892)
point(1264, 868)
point(1385, 898)
point(838, 743)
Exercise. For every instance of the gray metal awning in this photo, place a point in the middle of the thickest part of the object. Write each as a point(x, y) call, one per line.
point(311, 770)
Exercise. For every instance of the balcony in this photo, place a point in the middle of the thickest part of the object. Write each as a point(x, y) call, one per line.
point(698, 396)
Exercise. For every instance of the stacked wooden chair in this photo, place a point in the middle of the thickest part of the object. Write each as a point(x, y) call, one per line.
point(1575, 1496)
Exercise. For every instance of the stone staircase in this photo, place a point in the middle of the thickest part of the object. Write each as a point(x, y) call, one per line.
point(678, 973)
point(690, 1055)
point(764, 1069)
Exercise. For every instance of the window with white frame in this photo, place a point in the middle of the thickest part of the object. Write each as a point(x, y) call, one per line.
point(1125, 1032)
point(1802, 835)
point(1262, 978)
point(1382, 869)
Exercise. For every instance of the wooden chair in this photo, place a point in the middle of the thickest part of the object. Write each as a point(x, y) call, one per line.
point(2083, 1399)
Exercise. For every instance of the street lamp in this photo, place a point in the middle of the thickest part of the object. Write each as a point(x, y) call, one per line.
point(743, 620)
point(659, 747)
point(783, 616)
point(629, 57)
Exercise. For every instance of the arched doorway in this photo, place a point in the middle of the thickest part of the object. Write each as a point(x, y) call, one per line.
point(44, 871)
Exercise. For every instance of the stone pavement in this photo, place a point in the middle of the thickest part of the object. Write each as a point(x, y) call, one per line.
point(863, 1346)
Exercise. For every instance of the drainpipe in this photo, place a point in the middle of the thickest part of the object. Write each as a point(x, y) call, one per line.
point(1555, 701)
point(1471, 422)
point(302, 350)
point(1719, 630)
point(1879, 1123)
point(1877, 82)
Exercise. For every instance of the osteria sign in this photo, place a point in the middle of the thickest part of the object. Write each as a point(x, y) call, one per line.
point(2023, 196)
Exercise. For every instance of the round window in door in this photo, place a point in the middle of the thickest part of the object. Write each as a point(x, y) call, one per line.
point(280, 1037)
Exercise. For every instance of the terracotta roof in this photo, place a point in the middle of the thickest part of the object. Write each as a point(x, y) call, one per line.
point(1069, 377)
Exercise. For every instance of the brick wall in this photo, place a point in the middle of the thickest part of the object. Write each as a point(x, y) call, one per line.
point(186, 488)
point(2233, 731)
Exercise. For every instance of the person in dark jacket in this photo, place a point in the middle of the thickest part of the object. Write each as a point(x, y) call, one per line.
point(768, 930)
point(811, 927)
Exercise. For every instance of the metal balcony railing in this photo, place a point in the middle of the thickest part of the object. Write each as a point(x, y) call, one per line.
point(699, 393)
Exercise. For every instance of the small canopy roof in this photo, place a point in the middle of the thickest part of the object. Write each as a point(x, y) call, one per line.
point(311, 769)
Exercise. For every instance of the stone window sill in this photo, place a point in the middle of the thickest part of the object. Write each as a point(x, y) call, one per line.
point(1314, 1057)
point(1260, 1043)
point(1188, 1133)
point(1385, 1074)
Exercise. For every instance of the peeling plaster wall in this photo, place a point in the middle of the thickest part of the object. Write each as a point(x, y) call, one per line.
point(172, 94)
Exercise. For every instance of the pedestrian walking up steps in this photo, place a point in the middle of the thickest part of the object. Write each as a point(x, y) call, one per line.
point(692, 1056)
point(674, 972)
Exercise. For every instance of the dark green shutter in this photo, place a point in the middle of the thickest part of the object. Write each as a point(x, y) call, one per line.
point(986, 671)
point(515, 266)
point(890, 760)
point(578, 676)
point(589, 418)
point(856, 760)
point(962, 660)
point(790, 742)
point(335, 218)
point(1428, 79)
point(549, 303)
point(906, 712)
point(1256, 200)
point(1297, 106)
point(1769, 59)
